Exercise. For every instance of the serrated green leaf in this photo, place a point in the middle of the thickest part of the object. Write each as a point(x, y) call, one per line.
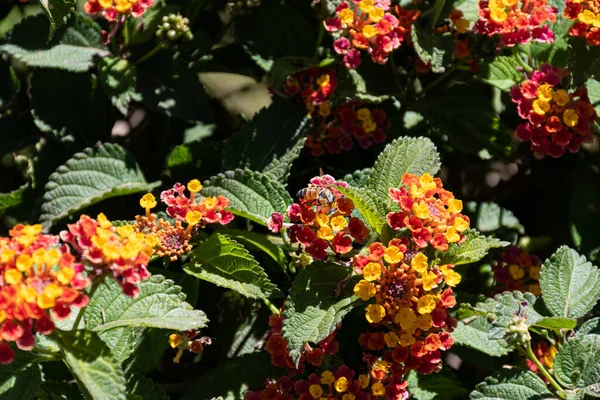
point(576, 363)
point(253, 195)
point(432, 49)
point(489, 217)
point(148, 351)
point(412, 155)
point(259, 242)
point(95, 368)
point(62, 56)
point(372, 210)
point(470, 10)
point(591, 326)
point(142, 388)
point(473, 249)
point(89, 177)
point(22, 385)
point(321, 295)
point(474, 335)
point(507, 306)
point(160, 304)
point(512, 384)
point(12, 199)
point(501, 73)
point(570, 284)
point(358, 178)
point(270, 142)
point(57, 12)
point(226, 263)
point(60, 391)
point(556, 323)
point(122, 342)
point(440, 386)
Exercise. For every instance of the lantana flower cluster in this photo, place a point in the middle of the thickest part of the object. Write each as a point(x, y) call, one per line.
point(111, 10)
point(545, 353)
point(516, 22)
point(586, 13)
point(430, 215)
point(321, 223)
point(371, 26)
point(40, 279)
point(187, 341)
point(172, 239)
point(517, 270)
point(556, 119)
point(409, 316)
point(334, 129)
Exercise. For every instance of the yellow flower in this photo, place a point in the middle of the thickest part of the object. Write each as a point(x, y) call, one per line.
point(516, 271)
point(587, 17)
point(371, 271)
point(406, 318)
point(429, 281)
point(326, 233)
point(561, 97)
point(125, 231)
point(193, 217)
point(148, 201)
point(535, 289)
point(455, 206)
point(24, 262)
point(13, 276)
point(315, 391)
point(111, 251)
point(393, 255)
point(367, 5)
point(7, 255)
point(540, 106)
point(363, 380)
point(65, 275)
point(421, 210)
point(424, 321)
point(452, 278)
point(322, 219)
point(419, 263)
point(347, 16)
point(327, 378)
point(391, 339)
point(348, 396)
point(211, 202)
point(570, 117)
point(375, 313)
point(376, 14)
point(323, 80)
point(369, 31)
point(426, 304)
point(51, 257)
point(406, 340)
point(427, 182)
point(498, 15)
point(194, 186)
point(38, 256)
point(545, 92)
point(152, 240)
point(364, 290)
point(451, 235)
point(534, 272)
point(338, 223)
point(460, 224)
point(369, 126)
point(378, 389)
point(174, 340)
point(103, 221)
point(341, 385)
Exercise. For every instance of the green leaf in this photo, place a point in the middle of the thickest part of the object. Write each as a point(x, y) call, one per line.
point(591, 326)
point(226, 263)
point(142, 388)
point(372, 210)
point(512, 384)
point(593, 87)
point(89, 177)
point(556, 323)
point(270, 142)
point(489, 217)
point(96, 370)
point(148, 351)
point(501, 73)
point(23, 384)
point(584, 61)
point(160, 304)
point(474, 335)
point(440, 386)
point(259, 242)
point(470, 10)
point(509, 304)
point(570, 284)
point(253, 195)
point(433, 49)
point(230, 379)
point(473, 249)
point(138, 30)
point(122, 342)
point(59, 391)
point(62, 56)
point(412, 155)
point(12, 199)
point(576, 363)
point(57, 12)
point(321, 295)
point(359, 178)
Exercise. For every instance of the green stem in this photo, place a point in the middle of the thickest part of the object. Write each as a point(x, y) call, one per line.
point(46, 352)
point(319, 39)
point(151, 53)
point(440, 79)
point(522, 63)
point(271, 306)
point(437, 11)
point(95, 284)
point(528, 353)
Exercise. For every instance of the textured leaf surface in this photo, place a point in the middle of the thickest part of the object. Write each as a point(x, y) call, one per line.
point(318, 300)
point(253, 195)
point(62, 56)
point(506, 306)
point(556, 323)
point(590, 326)
point(12, 199)
point(95, 368)
point(570, 284)
point(440, 386)
point(57, 12)
point(473, 249)
point(22, 385)
point(512, 384)
point(474, 335)
point(259, 242)
point(502, 72)
point(226, 263)
point(412, 155)
point(489, 217)
point(358, 178)
point(89, 177)
point(160, 305)
point(576, 363)
point(435, 50)
point(142, 388)
point(371, 209)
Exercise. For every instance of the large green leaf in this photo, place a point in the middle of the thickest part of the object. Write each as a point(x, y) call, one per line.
point(432, 49)
point(593, 87)
point(226, 263)
point(89, 177)
point(502, 72)
point(142, 388)
point(12, 199)
point(576, 363)
point(62, 56)
point(440, 386)
point(506, 306)
point(412, 155)
point(253, 195)
point(321, 295)
point(473, 249)
point(570, 284)
point(20, 381)
point(160, 304)
point(512, 384)
point(57, 12)
point(95, 368)
point(259, 242)
point(270, 142)
point(592, 325)
point(372, 209)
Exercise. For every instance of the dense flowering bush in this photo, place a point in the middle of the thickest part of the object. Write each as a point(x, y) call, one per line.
point(299, 200)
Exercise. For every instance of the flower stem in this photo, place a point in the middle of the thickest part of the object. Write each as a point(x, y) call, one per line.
point(528, 353)
point(319, 39)
point(271, 306)
point(95, 284)
point(151, 53)
point(522, 63)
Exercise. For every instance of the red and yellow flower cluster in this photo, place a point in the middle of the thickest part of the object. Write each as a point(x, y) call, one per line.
point(586, 13)
point(369, 25)
point(429, 213)
point(516, 22)
point(334, 130)
point(556, 120)
point(40, 278)
point(321, 221)
point(410, 309)
point(113, 9)
point(517, 270)
point(186, 341)
point(545, 353)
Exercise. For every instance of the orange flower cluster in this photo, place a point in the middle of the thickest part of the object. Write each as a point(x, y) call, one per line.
point(113, 9)
point(430, 214)
point(369, 25)
point(517, 270)
point(545, 353)
point(39, 278)
point(314, 86)
point(321, 220)
point(410, 308)
point(586, 13)
point(516, 21)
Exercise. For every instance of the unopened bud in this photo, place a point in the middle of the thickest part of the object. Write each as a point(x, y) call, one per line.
point(517, 331)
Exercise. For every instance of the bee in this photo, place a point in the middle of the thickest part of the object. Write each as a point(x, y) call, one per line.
point(316, 195)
